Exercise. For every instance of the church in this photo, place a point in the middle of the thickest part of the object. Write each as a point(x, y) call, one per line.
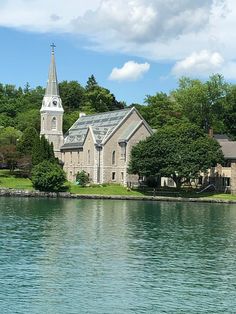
point(100, 144)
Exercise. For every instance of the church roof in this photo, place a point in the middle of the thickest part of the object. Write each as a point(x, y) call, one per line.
point(102, 125)
point(52, 83)
point(228, 147)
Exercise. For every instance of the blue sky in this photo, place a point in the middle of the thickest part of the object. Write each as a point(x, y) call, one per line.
point(134, 48)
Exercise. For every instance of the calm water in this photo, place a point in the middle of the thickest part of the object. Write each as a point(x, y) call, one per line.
point(83, 256)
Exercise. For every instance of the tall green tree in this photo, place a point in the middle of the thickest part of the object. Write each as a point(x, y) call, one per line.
point(27, 141)
point(203, 103)
point(160, 110)
point(91, 83)
point(181, 152)
point(42, 150)
point(72, 95)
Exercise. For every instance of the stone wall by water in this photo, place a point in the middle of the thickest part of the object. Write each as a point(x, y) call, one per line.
point(33, 193)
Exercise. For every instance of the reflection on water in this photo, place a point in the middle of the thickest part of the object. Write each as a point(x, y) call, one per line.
point(84, 256)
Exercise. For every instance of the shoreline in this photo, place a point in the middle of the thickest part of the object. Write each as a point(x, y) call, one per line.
point(67, 195)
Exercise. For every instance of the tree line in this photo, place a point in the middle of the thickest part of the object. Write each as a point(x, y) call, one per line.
point(194, 106)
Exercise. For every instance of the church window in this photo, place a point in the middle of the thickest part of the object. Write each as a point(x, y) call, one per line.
point(122, 176)
point(78, 157)
point(113, 161)
point(89, 157)
point(123, 151)
point(71, 157)
point(54, 123)
point(113, 176)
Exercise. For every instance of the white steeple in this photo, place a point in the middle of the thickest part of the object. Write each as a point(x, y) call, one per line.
point(52, 110)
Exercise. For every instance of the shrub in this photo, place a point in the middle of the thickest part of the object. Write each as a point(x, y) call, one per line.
point(48, 176)
point(82, 178)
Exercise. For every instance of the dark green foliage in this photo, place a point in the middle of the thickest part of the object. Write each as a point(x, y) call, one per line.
point(48, 177)
point(99, 99)
point(160, 110)
point(203, 103)
point(82, 178)
point(9, 136)
point(27, 141)
point(42, 150)
point(181, 152)
point(91, 83)
point(72, 95)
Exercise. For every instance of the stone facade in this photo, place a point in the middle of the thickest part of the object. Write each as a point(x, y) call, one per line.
point(107, 161)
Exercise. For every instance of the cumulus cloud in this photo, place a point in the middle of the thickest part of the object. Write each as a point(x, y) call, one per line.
point(199, 64)
point(203, 64)
point(168, 30)
point(142, 21)
point(130, 71)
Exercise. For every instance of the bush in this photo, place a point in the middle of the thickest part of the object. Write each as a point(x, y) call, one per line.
point(82, 178)
point(48, 177)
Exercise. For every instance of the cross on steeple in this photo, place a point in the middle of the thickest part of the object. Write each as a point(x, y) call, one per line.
point(53, 46)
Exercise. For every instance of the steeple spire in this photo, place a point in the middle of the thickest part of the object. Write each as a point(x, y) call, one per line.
point(52, 84)
point(52, 110)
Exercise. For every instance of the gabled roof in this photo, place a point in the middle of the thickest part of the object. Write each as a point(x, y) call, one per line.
point(102, 125)
point(228, 147)
point(221, 137)
point(125, 136)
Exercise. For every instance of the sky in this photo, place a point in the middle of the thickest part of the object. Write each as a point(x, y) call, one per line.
point(133, 47)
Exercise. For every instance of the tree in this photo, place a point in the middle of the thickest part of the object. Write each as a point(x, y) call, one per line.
point(91, 83)
point(69, 119)
point(99, 99)
point(42, 150)
point(27, 119)
point(181, 152)
point(48, 177)
point(82, 178)
point(9, 136)
point(10, 156)
point(203, 103)
point(27, 141)
point(160, 110)
point(72, 95)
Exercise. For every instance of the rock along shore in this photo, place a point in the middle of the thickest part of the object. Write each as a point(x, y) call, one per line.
point(29, 193)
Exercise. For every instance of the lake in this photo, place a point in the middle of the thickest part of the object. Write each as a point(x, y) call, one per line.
point(102, 256)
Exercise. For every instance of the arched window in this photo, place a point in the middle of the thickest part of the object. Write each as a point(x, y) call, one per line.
point(54, 123)
point(113, 159)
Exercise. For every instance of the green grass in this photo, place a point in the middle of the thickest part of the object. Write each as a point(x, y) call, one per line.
point(8, 180)
point(111, 189)
point(228, 197)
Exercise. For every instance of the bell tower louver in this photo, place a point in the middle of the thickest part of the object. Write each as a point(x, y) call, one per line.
point(52, 110)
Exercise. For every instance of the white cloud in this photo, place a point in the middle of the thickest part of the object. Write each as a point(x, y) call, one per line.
point(130, 71)
point(199, 64)
point(169, 30)
point(203, 64)
point(43, 15)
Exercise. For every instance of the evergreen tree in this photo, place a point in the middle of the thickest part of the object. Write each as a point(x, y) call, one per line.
point(91, 83)
point(43, 150)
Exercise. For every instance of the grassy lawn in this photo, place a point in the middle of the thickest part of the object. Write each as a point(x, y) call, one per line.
point(8, 180)
point(112, 189)
point(228, 197)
